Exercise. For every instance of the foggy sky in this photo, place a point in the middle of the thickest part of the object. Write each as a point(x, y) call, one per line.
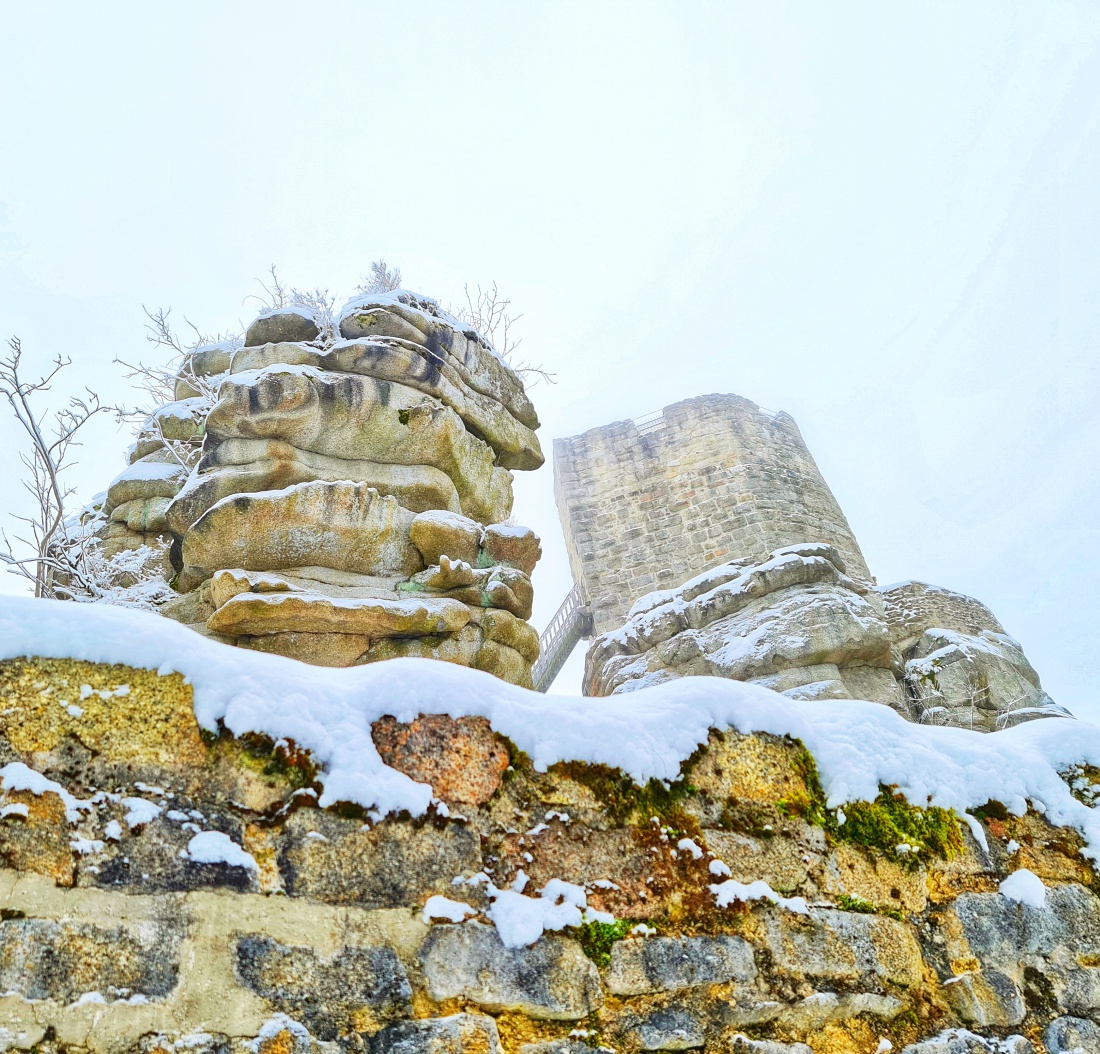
point(882, 219)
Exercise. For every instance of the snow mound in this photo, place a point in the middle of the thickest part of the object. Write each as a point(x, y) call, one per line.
point(213, 847)
point(648, 733)
point(1025, 887)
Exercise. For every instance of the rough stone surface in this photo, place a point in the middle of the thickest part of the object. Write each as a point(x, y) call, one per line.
point(550, 980)
point(1070, 1035)
point(461, 759)
point(962, 1041)
point(671, 1029)
point(667, 964)
point(358, 990)
point(388, 866)
point(113, 941)
point(841, 946)
point(43, 959)
point(458, 1034)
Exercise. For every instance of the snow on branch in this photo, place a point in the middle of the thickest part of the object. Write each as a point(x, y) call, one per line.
point(57, 555)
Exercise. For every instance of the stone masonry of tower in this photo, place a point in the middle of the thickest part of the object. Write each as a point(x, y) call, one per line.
point(704, 542)
point(717, 477)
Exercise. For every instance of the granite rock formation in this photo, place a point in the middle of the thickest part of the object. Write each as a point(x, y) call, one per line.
point(340, 491)
point(799, 624)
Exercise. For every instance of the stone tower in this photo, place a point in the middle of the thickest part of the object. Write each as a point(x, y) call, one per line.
point(647, 504)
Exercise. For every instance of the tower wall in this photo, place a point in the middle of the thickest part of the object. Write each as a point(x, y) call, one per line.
point(646, 504)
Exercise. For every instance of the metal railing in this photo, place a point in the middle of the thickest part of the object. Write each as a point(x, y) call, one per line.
point(571, 623)
point(651, 422)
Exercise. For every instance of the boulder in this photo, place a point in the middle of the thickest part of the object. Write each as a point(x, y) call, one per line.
point(517, 547)
point(496, 587)
point(183, 420)
point(259, 614)
point(242, 466)
point(516, 446)
point(982, 681)
point(359, 418)
point(438, 533)
point(421, 323)
point(282, 324)
point(768, 620)
point(157, 475)
point(344, 526)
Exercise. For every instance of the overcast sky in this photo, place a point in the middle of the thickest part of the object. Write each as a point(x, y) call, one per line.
point(883, 219)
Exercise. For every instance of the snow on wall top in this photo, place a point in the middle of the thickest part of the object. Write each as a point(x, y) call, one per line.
point(648, 733)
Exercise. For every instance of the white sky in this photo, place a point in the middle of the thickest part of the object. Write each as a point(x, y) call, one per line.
point(883, 219)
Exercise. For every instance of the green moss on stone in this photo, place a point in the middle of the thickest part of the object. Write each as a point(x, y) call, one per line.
point(890, 821)
point(884, 824)
point(622, 798)
point(597, 938)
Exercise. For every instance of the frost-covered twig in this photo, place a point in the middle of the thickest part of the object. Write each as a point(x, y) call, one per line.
point(490, 314)
point(382, 279)
point(50, 543)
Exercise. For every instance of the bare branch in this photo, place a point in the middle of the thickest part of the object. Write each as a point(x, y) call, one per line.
point(274, 296)
point(490, 315)
point(48, 460)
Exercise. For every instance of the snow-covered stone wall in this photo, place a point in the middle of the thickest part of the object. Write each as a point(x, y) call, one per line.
point(262, 857)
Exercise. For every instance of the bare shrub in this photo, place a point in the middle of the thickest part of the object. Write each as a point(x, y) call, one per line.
point(382, 279)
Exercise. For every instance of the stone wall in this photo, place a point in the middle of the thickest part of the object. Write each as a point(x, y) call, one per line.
point(717, 478)
point(324, 931)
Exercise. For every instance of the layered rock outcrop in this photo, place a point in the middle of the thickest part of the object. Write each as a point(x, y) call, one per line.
point(797, 623)
point(339, 491)
point(162, 890)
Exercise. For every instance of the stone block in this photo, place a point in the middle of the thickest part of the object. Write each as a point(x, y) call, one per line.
point(44, 959)
point(458, 1034)
point(673, 1028)
point(1070, 1035)
point(359, 989)
point(842, 946)
point(390, 865)
point(461, 760)
point(668, 964)
point(548, 980)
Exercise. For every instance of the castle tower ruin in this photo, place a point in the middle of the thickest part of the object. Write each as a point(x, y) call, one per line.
point(646, 504)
